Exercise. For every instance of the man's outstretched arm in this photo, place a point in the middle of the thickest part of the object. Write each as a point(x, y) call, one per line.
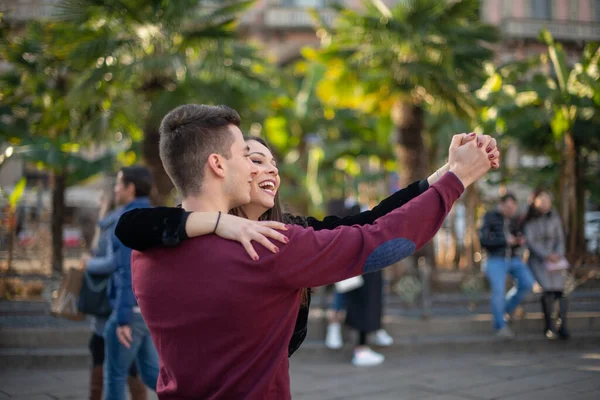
point(320, 258)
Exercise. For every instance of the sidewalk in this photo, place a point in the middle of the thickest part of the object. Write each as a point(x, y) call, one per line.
point(556, 374)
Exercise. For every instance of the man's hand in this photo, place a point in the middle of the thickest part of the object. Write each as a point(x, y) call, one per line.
point(512, 241)
point(245, 231)
point(124, 335)
point(471, 161)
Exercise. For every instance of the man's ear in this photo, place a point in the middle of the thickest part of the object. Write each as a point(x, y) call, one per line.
point(216, 165)
point(130, 189)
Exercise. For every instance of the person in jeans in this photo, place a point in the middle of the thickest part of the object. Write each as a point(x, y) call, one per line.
point(102, 262)
point(501, 238)
point(546, 243)
point(126, 335)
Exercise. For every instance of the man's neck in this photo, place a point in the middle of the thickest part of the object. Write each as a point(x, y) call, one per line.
point(205, 203)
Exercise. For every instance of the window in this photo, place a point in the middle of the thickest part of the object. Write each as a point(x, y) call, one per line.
point(304, 3)
point(541, 9)
point(507, 8)
point(573, 11)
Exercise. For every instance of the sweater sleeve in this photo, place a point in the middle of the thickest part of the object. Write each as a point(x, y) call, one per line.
point(387, 205)
point(328, 256)
point(103, 265)
point(145, 228)
point(125, 299)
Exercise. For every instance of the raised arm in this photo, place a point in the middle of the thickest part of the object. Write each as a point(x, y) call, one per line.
point(402, 196)
point(394, 201)
point(328, 256)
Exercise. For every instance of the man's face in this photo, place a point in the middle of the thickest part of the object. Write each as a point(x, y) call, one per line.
point(124, 194)
point(509, 208)
point(240, 170)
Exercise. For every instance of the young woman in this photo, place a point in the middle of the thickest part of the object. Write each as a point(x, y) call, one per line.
point(546, 242)
point(146, 228)
point(102, 262)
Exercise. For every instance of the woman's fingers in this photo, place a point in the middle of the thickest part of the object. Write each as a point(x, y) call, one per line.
point(249, 249)
point(467, 137)
point(260, 238)
point(274, 225)
point(483, 141)
point(273, 234)
point(495, 160)
point(492, 145)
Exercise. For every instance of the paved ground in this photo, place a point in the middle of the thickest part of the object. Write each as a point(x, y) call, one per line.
point(554, 375)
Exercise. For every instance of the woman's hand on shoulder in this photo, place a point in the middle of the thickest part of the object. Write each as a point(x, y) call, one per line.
point(245, 231)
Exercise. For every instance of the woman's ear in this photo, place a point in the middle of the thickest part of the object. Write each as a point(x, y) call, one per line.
point(216, 165)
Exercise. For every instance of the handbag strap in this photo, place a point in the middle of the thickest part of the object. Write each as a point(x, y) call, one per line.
point(96, 286)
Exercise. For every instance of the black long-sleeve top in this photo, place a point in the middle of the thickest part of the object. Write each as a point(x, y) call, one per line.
point(145, 228)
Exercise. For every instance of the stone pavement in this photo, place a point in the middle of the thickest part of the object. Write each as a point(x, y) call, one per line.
point(556, 374)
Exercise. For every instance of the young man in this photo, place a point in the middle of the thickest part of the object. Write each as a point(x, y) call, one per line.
point(501, 238)
point(221, 321)
point(126, 335)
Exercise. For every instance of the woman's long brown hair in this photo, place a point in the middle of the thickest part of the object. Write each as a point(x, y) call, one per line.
point(275, 213)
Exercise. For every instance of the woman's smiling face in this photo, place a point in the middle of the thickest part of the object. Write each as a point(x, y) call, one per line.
point(266, 182)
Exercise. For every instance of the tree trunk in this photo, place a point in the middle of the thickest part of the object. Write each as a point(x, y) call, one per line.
point(568, 199)
point(412, 155)
point(581, 164)
point(471, 237)
point(57, 221)
point(11, 219)
point(163, 187)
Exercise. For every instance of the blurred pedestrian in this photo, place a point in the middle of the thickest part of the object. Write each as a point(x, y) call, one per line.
point(546, 242)
point(102, 262)
point(501, 237)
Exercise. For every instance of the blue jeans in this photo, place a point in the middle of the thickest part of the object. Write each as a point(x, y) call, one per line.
point(497, 268)
point(338, 301)
point(118, 358)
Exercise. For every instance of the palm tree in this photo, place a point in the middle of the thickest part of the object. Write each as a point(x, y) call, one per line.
point(170, 53)
point(420, 56)
point(556, 111)
point(47, 120)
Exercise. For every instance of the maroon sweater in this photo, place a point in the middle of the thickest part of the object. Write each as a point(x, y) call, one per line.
point(221, 322)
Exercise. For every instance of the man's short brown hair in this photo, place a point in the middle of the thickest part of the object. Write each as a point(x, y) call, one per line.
point(188, 135)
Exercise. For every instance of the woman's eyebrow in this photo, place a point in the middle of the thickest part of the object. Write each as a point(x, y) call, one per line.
point(258, 152)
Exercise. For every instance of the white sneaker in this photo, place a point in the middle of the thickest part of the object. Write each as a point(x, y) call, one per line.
point(382, 338)
point(366, 357)
point(505, 333)
point(333, 339)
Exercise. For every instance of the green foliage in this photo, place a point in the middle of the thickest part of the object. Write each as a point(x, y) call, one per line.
point(170, 53)
point(42, 112)
point(430, 51)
